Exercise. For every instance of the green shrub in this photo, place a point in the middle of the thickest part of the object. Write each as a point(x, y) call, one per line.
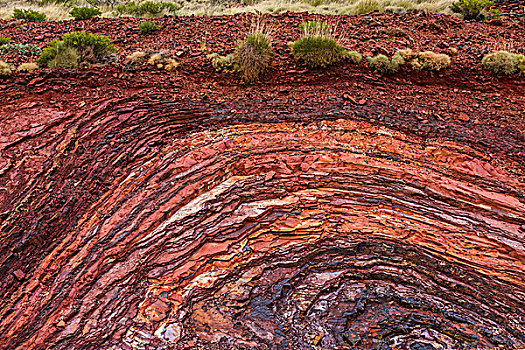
point(29, 50)
point(428, 60)
point(315, 28)
point(4, 40)
point(147, 27)
point(381, 64)
point(5, 68)
point(65, 57)
point(222, 63)
point(253, 56)
point(89, 48)
point(471, 9)
point(149, 8)
point(29, 15)
point(318, 49)
point(84, 12)
point(503, 62)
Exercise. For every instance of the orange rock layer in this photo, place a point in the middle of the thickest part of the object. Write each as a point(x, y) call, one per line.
point(327, 234)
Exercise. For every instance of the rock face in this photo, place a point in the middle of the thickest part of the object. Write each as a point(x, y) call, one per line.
point(179, 213)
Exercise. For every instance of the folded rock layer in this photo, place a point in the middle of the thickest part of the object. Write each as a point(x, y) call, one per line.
point(148, 230)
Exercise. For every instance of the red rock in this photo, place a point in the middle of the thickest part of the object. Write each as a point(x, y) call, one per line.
point(19, 274)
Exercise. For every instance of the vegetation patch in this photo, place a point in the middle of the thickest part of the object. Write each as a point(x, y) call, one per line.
point(428, 60)
point(471, 9)
point(29, 67)
point(30, 50)
point(253, 56)
point(84, 12)
point(159, 60)
point(383, 65)
point(148, 27)
point(222, 63)
point(425, 60)
point(504, 62)
point(29, 15)
point(4, 40)
point(86, 47)
point(317, 48)
point(147, 8)
point(5, 68)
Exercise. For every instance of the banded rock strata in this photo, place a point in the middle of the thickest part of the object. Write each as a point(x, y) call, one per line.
point(126, 229)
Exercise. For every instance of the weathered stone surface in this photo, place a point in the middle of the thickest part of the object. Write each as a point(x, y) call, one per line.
point(155, 211)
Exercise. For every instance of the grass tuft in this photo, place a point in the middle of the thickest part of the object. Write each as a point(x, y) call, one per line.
point(504, 62)
point(253, 56)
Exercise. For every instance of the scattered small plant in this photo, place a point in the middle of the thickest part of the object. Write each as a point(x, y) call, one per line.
point(148, 27)
point(383, 65)
point(317, 27)
point(29, 67)
point(137, 56)
point(471, 9)
point(428, 60)
point(147, 8)
point(4, 40)
point(222, 63)
point(84, 12)
point(159, 60)
point(5, 68)
point(29, 15)
point(317, 48)
point(253, 56)
point(425, 60)
point(354, 57)
point(65, 57)
point(30, 50)
point(162, 62)
point(504, 62)
point(89, 48)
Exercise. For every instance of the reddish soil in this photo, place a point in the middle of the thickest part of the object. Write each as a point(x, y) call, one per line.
point(146, 209)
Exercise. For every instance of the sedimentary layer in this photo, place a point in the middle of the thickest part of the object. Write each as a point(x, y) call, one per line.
point(338, 209)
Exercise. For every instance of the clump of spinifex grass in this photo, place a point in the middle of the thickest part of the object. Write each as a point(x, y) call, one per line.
point(504, 62)
point(253, 55)
point(318, 48)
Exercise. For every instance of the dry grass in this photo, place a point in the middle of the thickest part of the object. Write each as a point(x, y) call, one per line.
point(218, 7)
point(5, 68)
point(29, 67)
point(53, 12)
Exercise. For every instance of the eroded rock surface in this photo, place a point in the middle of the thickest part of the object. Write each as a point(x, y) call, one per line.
point(176, 212)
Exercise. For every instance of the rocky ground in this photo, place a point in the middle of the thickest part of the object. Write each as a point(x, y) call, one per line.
point(327, 209)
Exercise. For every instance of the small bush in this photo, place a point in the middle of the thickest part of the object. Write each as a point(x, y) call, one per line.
point(146, 8)
point(381, 64)
point(158, 60)
point(84, 12)
point(27, 67)
point(407, 54)
point(137, 56)
point(317, 48)
point(253, 56)
point(5, 68)
point(65, 57)
point(29, 15)
point(89, 48)
point(429, 60)
point(354, 57)
point(29, 50)
point(503, 62)
point(222, 63)
point(148, 27)
point(4, 40)
point(471, 9)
